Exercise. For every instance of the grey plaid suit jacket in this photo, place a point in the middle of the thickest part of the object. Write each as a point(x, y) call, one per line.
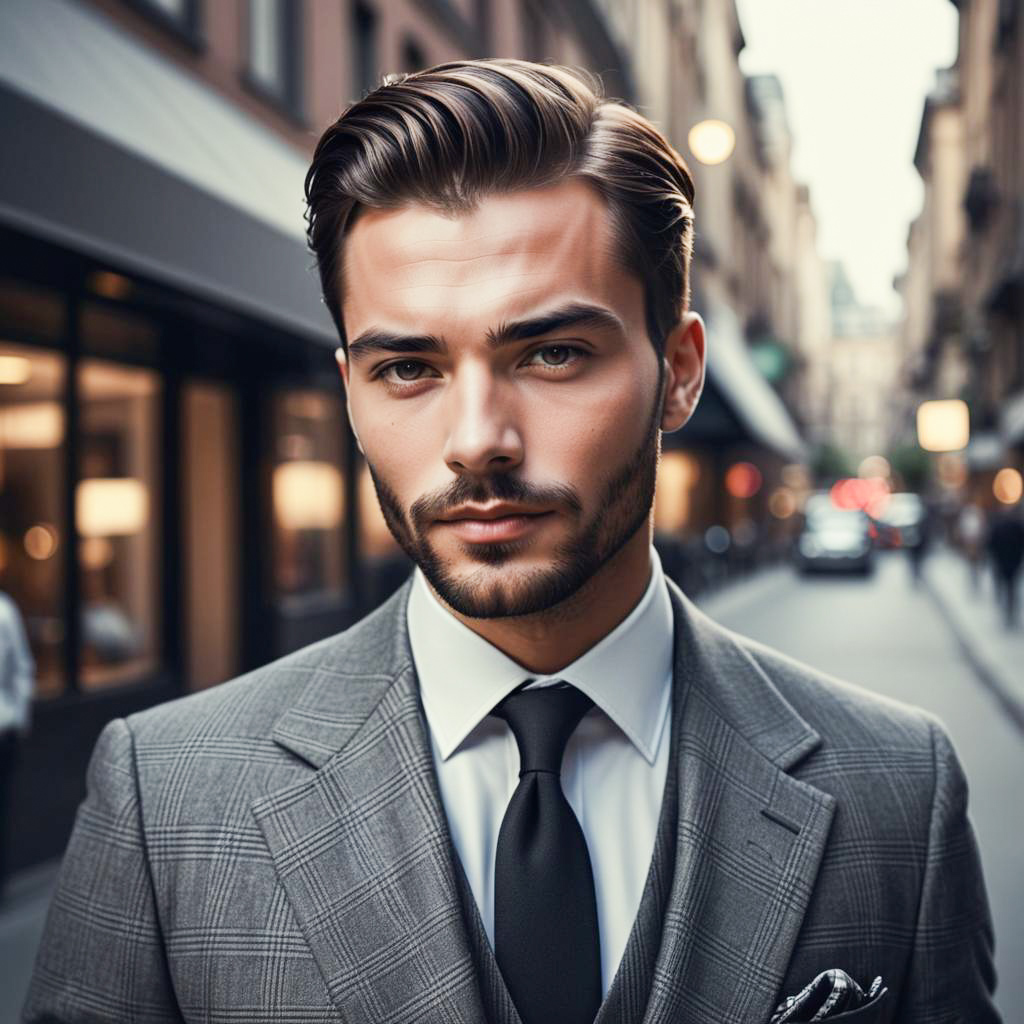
point(275, 849)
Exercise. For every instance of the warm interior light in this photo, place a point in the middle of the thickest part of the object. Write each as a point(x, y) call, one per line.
point(14, 369)
point(40, 541)
point(943, 425)
point(677, 474)
point(110, 285)
point(711, 141)
point(1008, 485)
point(111, 507)
point(308, 495)
point(32, 425)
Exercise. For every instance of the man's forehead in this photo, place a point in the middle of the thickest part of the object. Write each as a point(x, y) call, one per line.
point(511, 249)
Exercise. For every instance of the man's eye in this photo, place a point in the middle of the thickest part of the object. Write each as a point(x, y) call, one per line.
point(407, 370)
point(557, 355)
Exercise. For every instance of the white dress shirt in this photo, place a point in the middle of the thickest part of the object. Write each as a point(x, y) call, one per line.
point(613, 773)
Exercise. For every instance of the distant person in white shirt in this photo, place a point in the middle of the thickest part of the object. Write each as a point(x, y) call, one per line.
point(17, 682)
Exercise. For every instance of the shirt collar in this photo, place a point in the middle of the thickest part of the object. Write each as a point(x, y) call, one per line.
point(627, 674)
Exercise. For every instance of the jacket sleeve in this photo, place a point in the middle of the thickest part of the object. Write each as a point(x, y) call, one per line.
point(951, 976)
point(102, 956)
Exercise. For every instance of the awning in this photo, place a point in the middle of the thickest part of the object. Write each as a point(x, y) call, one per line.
point(732, 374)
point(113, 151)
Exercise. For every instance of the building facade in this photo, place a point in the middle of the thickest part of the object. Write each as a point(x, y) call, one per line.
point(963, 290)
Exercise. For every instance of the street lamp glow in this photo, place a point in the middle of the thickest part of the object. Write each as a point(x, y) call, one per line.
point(711, 141)
point(943, 425)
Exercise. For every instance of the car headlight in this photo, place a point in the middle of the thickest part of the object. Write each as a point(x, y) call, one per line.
point(809, 547)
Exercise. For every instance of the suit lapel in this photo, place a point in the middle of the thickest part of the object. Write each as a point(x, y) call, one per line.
point(750, 837)
point(361, 844)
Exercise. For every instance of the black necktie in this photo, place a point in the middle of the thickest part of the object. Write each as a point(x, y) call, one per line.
point(545, 912)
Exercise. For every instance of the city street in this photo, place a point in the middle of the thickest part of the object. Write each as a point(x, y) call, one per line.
point(889, 636)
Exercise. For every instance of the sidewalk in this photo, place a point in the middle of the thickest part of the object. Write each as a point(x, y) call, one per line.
point(995, 652)
point(22, 916)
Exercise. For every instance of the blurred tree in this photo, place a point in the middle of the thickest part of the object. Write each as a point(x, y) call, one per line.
point(911, 465)
point(830, 462)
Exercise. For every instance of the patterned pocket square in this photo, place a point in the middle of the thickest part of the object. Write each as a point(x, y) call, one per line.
point(830, 994)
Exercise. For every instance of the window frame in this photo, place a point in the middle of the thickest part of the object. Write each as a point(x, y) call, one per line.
point(289, 102)
point(186, 29)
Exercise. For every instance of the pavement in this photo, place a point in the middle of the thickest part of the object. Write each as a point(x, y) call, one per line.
point(22, 916)
point(994, 650)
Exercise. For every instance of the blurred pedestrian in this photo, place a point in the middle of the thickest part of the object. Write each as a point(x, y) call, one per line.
point(1006, 549)
point(970, 529)
point(918, 540)
point(17, 682)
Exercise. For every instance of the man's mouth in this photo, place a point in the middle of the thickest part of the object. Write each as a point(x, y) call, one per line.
point(491, 523)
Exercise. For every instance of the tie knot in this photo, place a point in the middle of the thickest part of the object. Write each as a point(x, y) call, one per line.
point(542, 720)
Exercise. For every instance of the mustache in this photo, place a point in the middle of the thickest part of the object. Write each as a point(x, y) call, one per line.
point(501, 487)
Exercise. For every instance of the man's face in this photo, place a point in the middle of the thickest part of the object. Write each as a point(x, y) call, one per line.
point(505, 393)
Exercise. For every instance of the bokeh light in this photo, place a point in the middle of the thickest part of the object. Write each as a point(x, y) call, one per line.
point(40, 541)
point(711, 141)
point(943, 425)
point(1008, 485)
point(743, 480)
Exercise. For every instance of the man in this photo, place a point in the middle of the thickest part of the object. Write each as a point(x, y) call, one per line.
point(537, 784)
point(1005, 543)
point(17, 683)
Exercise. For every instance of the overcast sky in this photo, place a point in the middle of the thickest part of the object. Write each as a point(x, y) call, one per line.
point(855, 75)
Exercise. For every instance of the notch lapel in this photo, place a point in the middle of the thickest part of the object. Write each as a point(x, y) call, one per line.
point(750, 837)
point(361, 844)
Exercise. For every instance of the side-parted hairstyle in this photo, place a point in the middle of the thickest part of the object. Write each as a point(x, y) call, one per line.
point(455, 133)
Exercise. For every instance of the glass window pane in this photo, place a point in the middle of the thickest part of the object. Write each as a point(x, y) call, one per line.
point(110, 331)
point(33, 529)
point(266, 44)
point(176, 9)
point(37, 311)
point(308, 493)
point(117, 507)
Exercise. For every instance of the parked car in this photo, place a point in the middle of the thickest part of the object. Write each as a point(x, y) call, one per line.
point(899, 522)
point(835, 540)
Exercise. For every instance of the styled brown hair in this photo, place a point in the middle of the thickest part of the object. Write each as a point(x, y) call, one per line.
point(454, 133)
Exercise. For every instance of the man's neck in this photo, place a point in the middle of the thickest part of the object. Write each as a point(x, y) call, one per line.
point(546, 642)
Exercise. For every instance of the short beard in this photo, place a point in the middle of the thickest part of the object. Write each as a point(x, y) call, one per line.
point(623, 509)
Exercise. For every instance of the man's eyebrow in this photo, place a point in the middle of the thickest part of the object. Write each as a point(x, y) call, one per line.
point(576, 314)
point(376, 340)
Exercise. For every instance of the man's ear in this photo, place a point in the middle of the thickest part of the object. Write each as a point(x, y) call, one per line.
point(339, 355)
point(685, 360)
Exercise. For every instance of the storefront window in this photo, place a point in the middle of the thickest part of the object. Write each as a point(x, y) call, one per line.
point(117, 507)
point(308, 493)
point(33, 527)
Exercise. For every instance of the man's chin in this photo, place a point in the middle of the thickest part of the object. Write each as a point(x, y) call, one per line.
point(500, 588)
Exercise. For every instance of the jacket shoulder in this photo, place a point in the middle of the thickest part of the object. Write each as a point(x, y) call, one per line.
point(845, 715)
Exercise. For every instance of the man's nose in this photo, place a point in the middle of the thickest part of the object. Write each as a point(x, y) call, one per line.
point(483, 437)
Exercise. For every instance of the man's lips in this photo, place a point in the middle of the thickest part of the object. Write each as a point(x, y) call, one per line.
point(489, 512)
point(494, 523)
